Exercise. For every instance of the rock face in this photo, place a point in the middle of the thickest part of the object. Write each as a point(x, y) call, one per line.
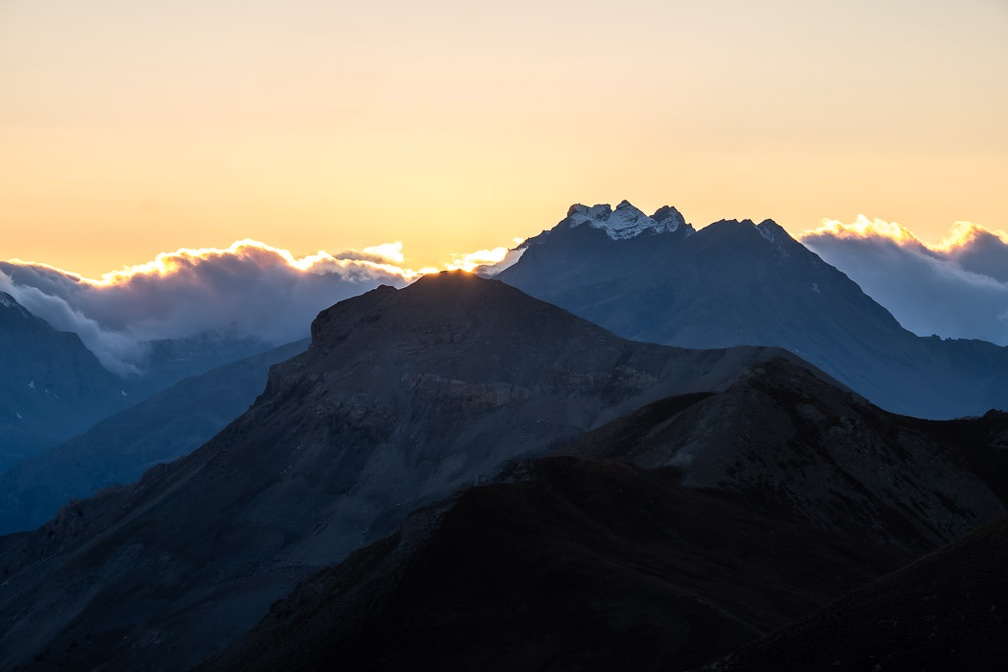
point(664, 537)
point(738, 283)
point(402, 398)
point(791, 440)
point(51, 387)
point(727, 491)
point(119, 449)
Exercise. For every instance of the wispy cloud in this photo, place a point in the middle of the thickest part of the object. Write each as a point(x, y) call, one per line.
point(249, 289)
point(957, 288)
point(487, 262)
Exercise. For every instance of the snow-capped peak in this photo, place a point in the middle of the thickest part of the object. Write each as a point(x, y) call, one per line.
point(625, 221)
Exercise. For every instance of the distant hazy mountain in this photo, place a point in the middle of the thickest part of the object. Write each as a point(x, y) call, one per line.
point(738, 283)
point(172, 360)
point(403, 397)
point(120, 448)
point(51, 386)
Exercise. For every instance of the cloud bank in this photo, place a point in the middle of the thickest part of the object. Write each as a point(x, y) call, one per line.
point(249, 289)
point(955, 289)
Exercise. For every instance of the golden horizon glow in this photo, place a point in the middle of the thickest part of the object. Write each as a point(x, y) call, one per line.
point(959, 235)
point(863, 227)
point(169, 263)
point(132, 128)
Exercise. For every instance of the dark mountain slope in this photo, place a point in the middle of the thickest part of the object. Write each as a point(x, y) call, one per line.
point(120, 448)
point(565, 564)
point(51, 386)
point(737, 283)
point(789, 438)
point(800, 491)
point(402, 398)
point(947, 611)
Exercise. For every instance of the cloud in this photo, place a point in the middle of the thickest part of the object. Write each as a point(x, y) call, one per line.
point(248, 289)
point(487, 263)
point(956, 289)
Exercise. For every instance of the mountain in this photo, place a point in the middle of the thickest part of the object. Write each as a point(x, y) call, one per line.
point(55, 388)
point(403, 397)
point(173, 359)
point(656, 541)
point(668, 485)
point(52, 387)
point(738, 283)
point(120, 448)
point(565, 564)
point(943, 612)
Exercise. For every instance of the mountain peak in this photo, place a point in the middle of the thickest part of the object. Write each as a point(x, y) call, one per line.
point(10, 306)
point(626, 221)
point(772, 231)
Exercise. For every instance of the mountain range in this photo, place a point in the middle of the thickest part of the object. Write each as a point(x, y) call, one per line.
point(520, 451)
point(459, 475)
point(118, 449)
point(403, 397)
point(52, 386)
point(738, 283)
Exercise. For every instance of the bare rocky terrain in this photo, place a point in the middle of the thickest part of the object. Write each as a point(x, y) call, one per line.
point(455, 475)
point(402, 398)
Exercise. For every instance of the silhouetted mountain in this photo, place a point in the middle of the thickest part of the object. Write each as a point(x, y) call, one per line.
point(402, 398)
point(943, 612)
point(756, 504)
point(790, 439)
point(567, 564)
point(738, 283)
point(51, 387)
point(120, 448)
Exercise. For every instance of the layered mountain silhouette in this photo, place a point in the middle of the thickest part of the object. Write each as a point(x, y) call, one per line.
point(52, 387)
point(119, 449)
point(403, 397)
point(720, 491)
point(738, 283)
point(567, 564)
point(663, 539)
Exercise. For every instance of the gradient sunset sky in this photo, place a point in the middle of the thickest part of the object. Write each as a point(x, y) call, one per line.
point(129, 128)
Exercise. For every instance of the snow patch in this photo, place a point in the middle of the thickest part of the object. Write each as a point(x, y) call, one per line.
point(625, 221)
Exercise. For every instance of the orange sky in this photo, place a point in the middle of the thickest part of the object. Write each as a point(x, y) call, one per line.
point(127, 128)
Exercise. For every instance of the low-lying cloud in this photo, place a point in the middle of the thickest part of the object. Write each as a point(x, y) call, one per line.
point(249, 289)
point(955, 289)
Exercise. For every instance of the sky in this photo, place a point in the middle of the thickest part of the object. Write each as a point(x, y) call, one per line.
point(130, 129)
